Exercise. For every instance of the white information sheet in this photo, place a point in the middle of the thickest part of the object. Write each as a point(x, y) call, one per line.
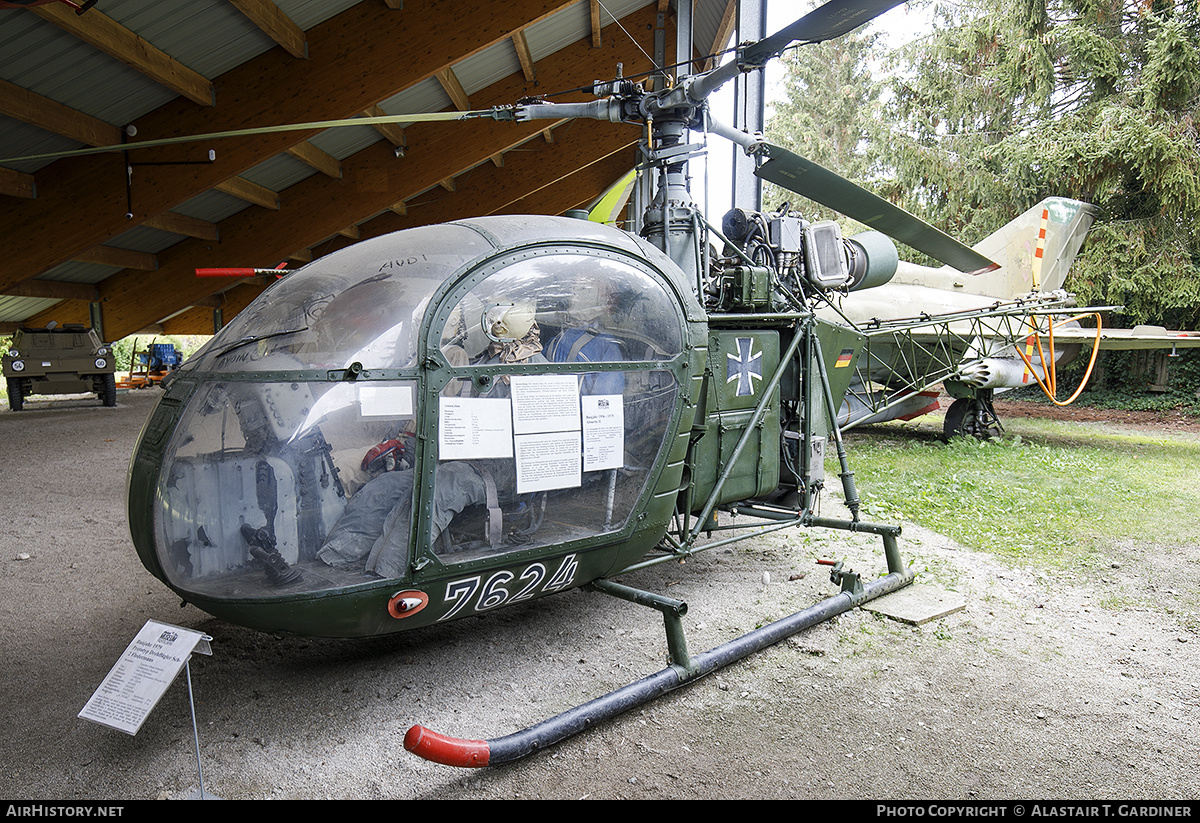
point(135, 684)
point(545, 403)
point(603, 432)
point(386, 401)
point(474, 428)
point(548, 461)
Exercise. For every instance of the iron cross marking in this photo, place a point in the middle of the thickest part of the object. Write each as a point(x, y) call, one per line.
point(744, 366)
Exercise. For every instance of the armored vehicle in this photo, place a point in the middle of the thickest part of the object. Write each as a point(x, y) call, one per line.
point(67, 360)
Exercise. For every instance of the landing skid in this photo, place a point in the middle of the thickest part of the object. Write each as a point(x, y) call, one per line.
point(682, 670)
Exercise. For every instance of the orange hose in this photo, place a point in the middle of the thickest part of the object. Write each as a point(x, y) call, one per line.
point(1049, 386)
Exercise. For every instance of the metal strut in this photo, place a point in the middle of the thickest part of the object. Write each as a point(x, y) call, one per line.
point(453, 751)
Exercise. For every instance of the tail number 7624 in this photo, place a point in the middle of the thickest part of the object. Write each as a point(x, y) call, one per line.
point(473, 594)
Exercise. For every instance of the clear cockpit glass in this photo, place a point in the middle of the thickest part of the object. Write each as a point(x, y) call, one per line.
point(258, 476)
point(258, 473)
point(345, 309)
point(558, 404)
point(541, 422)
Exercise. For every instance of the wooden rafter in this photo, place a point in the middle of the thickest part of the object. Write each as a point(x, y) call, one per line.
point(183, 224)
point(54, 117)
point(243, 189)
point(524, 56)
point(123, 258)
point(311, 156)
point(595, 13)
point(115, 40)
point(391, 131)
point(55, 289)
point(724, 32)
point(75, 208)
point(450, 84)
point(17, 184)
point(275, 24)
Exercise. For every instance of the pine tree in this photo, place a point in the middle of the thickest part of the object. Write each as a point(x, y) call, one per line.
point(832, 100)
point(1003, 104)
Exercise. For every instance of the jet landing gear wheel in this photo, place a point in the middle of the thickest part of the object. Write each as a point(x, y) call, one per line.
point(972, 417)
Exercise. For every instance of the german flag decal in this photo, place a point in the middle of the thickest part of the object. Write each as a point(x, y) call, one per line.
point(844, 359)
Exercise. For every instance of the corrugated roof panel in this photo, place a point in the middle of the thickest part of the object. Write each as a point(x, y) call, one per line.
point(18, 139)
point(481, 70)
point(18, 309)
point(428, 95)
point(144, 239)
point(207, 36)
point(75, 272)
point(279, 172)
point(561, 30)
point(44, 59)
point(212, 206)
point(706, 21)
point(347, 140)
point(309, 13)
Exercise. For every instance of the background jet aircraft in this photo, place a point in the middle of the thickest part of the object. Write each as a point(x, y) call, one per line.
point(969, 332)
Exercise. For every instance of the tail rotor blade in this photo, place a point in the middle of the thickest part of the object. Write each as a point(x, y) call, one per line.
point(808, 179)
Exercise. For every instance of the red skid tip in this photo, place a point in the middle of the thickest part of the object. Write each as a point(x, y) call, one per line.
point(449, 751)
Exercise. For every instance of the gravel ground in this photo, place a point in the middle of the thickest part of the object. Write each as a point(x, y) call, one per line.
point(1038, 688)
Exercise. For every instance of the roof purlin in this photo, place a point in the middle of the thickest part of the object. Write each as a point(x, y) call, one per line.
point(353, 63)
point(318, 207)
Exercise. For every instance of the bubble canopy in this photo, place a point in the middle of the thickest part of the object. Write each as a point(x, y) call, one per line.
point(429, 400)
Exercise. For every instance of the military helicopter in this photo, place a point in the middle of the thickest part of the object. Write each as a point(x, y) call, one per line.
point(451, 419)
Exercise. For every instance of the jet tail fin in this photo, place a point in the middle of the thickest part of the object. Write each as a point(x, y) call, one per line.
point(1035, 252)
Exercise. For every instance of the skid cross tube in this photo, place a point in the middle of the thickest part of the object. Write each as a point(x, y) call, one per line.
point(452, 751)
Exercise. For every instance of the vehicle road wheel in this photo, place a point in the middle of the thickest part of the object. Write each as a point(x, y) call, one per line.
point(108, 390)
point(971, 417)
point(16, 397)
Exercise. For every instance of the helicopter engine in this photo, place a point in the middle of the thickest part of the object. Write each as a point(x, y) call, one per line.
point(808, 258)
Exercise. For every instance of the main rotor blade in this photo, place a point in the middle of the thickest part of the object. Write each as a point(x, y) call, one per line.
point(806, 178)
point(384, 119)
point(833, 19)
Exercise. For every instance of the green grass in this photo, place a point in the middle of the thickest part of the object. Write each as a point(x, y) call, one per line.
point(1048, 492)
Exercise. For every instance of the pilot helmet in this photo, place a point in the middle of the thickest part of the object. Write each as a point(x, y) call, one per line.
point(508, 322)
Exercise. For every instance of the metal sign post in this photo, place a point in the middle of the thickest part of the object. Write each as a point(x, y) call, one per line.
point(138, 680)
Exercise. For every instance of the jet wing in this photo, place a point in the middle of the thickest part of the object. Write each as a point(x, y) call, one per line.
point(1139, 337)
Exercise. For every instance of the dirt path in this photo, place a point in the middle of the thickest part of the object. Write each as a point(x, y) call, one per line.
point(1036, 689)
point(1169, 421)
